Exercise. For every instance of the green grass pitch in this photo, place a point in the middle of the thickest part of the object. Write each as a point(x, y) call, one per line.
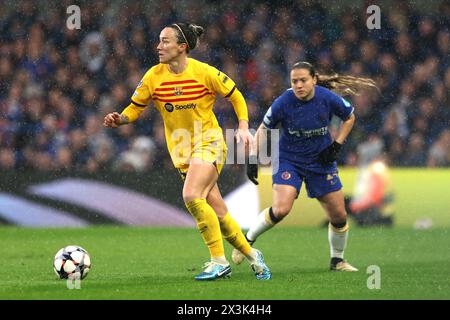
point(160, 263)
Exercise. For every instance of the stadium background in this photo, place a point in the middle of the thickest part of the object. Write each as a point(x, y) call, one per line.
point(57, 84)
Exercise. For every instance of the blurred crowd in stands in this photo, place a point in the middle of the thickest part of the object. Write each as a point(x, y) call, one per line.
point(57, 84)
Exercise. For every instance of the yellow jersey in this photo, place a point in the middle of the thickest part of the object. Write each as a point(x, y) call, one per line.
point(186, 102)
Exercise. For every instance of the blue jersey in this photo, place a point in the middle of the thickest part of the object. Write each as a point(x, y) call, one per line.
point(305, 124)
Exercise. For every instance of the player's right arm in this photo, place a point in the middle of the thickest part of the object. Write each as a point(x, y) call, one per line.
point(271, 119)
point(252, 165)
point(139, 101)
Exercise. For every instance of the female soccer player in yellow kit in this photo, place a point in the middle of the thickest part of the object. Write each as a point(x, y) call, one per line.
point(183, 90)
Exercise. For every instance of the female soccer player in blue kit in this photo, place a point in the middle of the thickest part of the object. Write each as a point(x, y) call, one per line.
point(307, 153)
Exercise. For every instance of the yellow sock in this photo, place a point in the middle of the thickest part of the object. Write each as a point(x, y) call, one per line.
point(208, 225)
point(232, 232)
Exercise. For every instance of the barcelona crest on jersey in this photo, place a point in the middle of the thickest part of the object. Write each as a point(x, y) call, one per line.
point(178, 91)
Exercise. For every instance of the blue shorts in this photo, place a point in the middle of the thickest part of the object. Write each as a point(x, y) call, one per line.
point(317, 184)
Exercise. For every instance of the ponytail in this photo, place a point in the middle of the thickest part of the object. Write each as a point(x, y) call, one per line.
point(346, 85)
point(342, 85)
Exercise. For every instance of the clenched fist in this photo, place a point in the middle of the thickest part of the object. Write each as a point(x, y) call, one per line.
point(112, 120)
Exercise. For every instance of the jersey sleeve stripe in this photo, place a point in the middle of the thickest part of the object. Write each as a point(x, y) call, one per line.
point(348, 116)
point(266, 125)
point(231, 92)
point(138, 104)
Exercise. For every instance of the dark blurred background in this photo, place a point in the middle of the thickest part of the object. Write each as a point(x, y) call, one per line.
point(57, 84)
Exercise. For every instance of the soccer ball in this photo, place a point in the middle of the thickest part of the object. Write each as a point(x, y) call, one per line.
point(72, 262)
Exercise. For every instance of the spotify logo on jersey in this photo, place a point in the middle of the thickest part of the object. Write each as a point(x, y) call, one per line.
point(169, 107)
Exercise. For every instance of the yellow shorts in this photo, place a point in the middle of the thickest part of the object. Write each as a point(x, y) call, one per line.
point(215, 153)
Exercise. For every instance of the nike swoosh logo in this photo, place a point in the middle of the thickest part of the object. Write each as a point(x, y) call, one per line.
point(224, 271)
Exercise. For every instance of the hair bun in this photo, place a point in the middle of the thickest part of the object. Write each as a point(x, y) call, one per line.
point(198, 30)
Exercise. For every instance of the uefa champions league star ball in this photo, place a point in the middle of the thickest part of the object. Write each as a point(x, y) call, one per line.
point(72, 262)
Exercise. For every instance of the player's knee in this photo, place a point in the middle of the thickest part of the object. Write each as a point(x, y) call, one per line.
point(190, 195)
point(281, 211)
point(218, 206)
point(221, 211)
point(338, 217)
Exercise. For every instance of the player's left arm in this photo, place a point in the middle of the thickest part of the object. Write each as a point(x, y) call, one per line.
point(225, 86)
point(344, 110)
point(345, 129)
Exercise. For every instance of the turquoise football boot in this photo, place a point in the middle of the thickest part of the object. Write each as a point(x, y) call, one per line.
point(259, 267)
point(214, 271)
